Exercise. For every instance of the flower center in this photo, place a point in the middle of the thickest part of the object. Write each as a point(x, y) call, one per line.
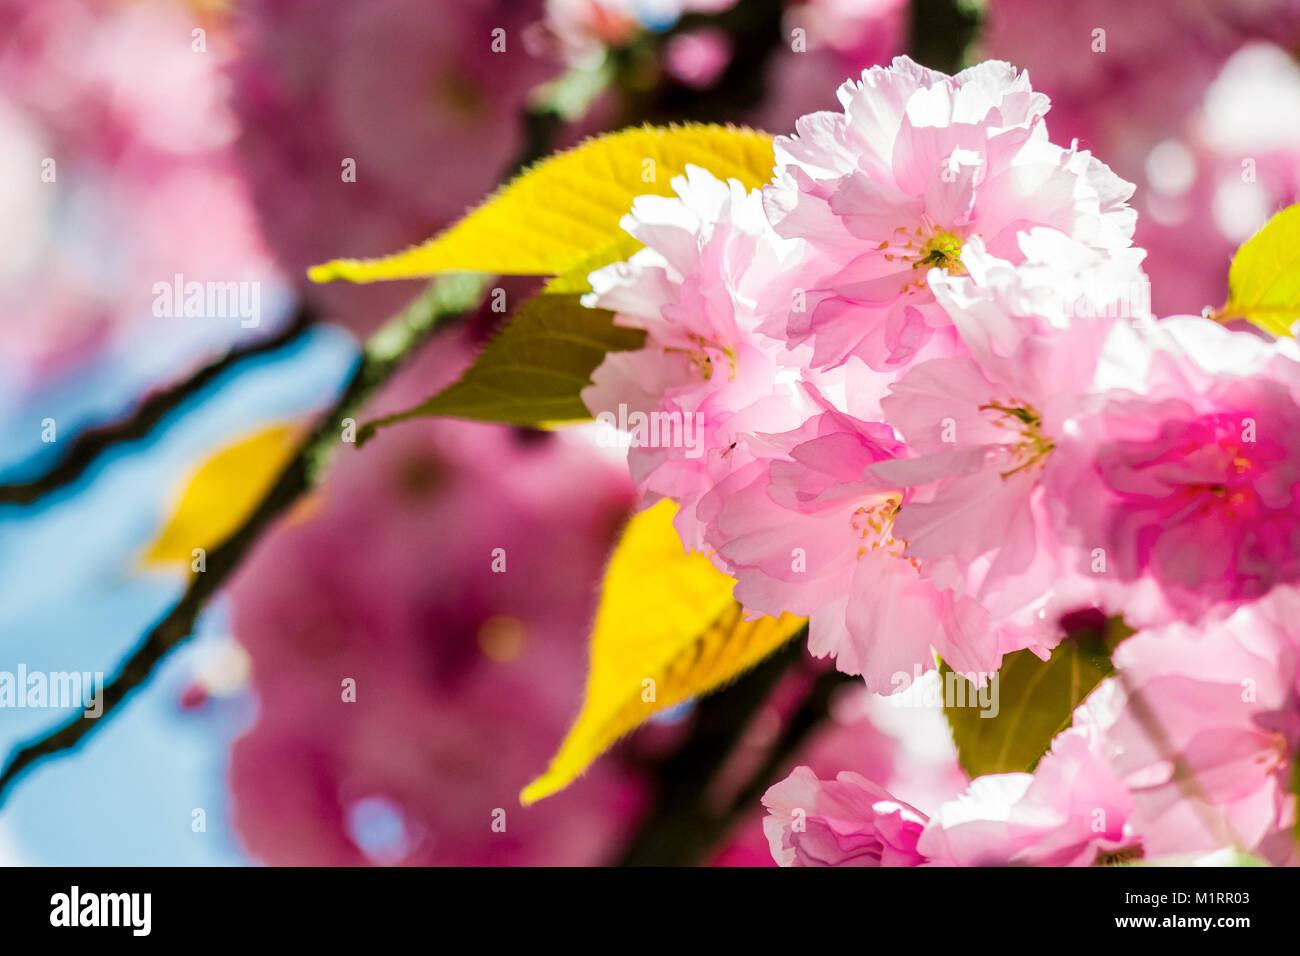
point(1030, 445)
point(943, 249)
point(702, 357)
point(1231, 488)
point(926, 247)
point(873, 524)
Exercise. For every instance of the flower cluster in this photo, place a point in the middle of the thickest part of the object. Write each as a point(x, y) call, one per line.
point(936, 415)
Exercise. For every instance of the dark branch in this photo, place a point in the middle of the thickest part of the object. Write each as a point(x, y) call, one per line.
point(87, 446)
point(426, 315)
point(812, 710)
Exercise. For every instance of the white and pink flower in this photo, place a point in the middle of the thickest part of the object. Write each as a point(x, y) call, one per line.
point(893, 188)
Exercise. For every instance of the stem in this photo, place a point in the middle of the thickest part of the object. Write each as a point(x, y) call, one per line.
point(87, 446)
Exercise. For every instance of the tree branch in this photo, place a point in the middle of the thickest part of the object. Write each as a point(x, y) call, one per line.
point(385, 352)
point(87, 446)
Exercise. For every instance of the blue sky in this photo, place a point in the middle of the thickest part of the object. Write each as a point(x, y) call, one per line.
point(72, 598)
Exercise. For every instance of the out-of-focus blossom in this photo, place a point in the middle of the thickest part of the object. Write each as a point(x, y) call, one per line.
point(1186, 471)
point(444, 575)
point(862, 33)
point(1217, 176)
point(415, 114)
point(119, 170)
point(1209, 171)
point(825, 41)
point(1096, 54)
point(699, 57)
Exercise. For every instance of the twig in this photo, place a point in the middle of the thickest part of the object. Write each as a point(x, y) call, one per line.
point(87, 446)
point(386, 351)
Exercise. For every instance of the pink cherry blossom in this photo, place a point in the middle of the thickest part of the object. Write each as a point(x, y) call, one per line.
point(848, 821)
point(1071, 811)
point(1186, 473)
point(894, 187)
point(809, 529)
point(710, 265)
point(982, 428)
point(1203, 724)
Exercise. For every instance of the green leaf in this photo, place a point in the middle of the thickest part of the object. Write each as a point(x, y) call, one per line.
point(1035, 701)
point(1264, 281)
point(533, 372)
point(556, 215)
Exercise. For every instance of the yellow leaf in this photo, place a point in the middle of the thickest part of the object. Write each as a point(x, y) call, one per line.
point(666, 617)
point(574, 280)
point(222, 493)
point(556, 215)
point(1264, 282)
